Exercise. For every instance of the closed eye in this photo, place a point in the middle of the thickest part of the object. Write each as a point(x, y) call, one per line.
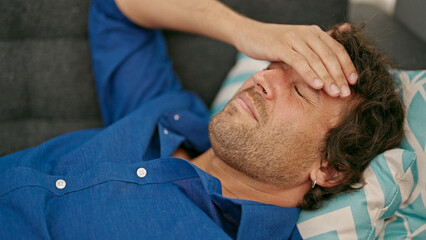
point(307, 98)
point(297, 90)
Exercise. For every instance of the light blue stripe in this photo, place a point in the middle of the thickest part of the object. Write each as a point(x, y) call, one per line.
point(325, 236)
point(409, 160)
point(415, 214)
point(240, 78)
point(216, 109)
point(397, 200)
point(385, 179)
point(241, 56)
point(357, 202)
point(360, 214)
point(412, 74)
point(416, 120)
point(395, 230)
point(406, 145)
point(424, 87)
point(421, 236)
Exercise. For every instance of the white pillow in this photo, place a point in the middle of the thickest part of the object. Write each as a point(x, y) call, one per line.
point(392, 204)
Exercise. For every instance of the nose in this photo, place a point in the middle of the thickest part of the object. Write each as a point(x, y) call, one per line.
point(270, 83)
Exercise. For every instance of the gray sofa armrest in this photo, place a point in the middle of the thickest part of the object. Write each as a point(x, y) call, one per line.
point(402, 45)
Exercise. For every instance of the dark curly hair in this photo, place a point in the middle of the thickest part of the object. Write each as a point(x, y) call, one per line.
point(374, 125)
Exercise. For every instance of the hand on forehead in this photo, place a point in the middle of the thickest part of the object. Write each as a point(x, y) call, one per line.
point(318, 58)
point(298, 78)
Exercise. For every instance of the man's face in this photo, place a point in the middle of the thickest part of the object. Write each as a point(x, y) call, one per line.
point(274, 128)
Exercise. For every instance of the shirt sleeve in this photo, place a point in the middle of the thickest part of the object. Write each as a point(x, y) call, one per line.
point(130, 63)
point(295, 235)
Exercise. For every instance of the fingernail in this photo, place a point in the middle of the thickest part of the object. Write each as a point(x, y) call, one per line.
point(334, 89)
point(317, 83)
point(345, 91)
point(353, 78)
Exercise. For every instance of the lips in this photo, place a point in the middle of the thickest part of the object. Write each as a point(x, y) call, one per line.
point(246, 103)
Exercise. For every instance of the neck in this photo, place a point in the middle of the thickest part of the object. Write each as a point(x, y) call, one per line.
point(236, 184)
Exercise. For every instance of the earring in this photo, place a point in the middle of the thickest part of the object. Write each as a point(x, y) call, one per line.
point(314, 183)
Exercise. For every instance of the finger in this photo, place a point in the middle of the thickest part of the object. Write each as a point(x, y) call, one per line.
point(344, 27)
point(316, 63)
point(301, 66)
point(343, 57)
point(332, 64)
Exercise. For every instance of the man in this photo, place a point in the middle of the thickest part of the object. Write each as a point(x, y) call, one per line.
point(281, 143)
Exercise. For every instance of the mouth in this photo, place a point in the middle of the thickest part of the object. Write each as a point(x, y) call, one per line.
point(245, 102)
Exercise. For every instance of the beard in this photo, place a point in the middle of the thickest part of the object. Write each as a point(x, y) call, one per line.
point(270, 152)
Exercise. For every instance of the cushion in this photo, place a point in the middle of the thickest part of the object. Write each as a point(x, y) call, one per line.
point(409, 220)
point(392, 203)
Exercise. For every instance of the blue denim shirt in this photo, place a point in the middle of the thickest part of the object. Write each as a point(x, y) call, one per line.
point(120, 182)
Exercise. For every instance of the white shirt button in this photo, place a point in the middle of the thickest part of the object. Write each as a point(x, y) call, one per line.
point(166, 131)
point(176, 117)
point(60, 184)
point(141, 172)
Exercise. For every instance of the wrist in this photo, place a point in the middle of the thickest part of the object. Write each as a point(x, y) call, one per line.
point(243, 31)
point(228, 25)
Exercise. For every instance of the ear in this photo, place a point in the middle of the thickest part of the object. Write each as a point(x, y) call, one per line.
point(326, 176)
